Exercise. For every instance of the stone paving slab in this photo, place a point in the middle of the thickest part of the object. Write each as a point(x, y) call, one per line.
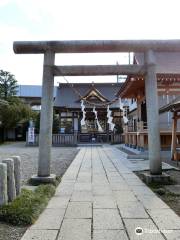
point(40, 235)
point(79, 210)
point(66, 190)
point(126, 204)
point(75, 229)
point(100, 198)
point(83, 186)
point(109, 235)
point(120, 186)
point(104, 202)
point(152, 202)
point(107, 219)
point(172, 235)
point(58, 202)
point(101, 190)
point(165, 218)
point(149, 229)
point(132, 211)
point(82, 196)
point(124, 196)
point(142, 191)
point(49, 219)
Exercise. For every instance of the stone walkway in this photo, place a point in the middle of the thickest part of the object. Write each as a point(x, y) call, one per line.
point(100, 198)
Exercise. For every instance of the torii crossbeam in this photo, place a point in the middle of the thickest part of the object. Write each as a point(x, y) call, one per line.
point(49, 48)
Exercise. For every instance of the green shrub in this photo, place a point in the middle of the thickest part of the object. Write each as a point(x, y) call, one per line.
point(25, 209)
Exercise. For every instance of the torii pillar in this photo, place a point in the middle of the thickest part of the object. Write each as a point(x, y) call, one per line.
point(46, 119)
point(152, 114)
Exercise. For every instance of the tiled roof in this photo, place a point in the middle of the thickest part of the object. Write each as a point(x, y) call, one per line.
point(67, 97)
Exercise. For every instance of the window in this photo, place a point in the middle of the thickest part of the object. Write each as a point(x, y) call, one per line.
point(66, 125)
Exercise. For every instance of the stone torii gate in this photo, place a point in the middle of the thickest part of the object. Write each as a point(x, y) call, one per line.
point(49, 48)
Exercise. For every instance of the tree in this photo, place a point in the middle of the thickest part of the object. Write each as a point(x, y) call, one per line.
point(55, 127)
point(13, 112)
point(8, 85)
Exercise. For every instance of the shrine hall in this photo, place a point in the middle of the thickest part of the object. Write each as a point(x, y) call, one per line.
point(97, 97)
point(168, 89)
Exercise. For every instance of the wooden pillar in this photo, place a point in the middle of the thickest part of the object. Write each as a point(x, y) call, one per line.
point(139, 108)
point(174, 137)
point(141, 140)
point(126, 134)
point(152, 114)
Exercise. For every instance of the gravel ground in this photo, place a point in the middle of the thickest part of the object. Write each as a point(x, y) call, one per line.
point(61, 159)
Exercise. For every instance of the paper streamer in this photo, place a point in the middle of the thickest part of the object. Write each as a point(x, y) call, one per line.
point(110, 118)
point(96, 117)
point(83, 123)
point(121, 106)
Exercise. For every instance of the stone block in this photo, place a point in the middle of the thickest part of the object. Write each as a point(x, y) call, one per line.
point(162, 178)
point(3, 184)
point(17, 173)
point(11, 188)
point(37, 180)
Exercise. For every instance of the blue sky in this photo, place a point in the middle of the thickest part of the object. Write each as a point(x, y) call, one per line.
point(80, 19)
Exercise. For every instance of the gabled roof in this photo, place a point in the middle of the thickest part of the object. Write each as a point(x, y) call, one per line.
point(67, 96)
point(94, 95)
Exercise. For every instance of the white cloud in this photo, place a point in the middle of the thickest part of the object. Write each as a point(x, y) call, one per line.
point(4, 2)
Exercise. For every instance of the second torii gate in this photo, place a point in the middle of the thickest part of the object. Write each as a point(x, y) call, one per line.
point(49, 48)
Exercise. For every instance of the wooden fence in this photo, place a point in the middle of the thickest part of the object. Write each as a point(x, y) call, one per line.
point(117, 138)
point(74, 139)
point(57, 140)
point(64, 139)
